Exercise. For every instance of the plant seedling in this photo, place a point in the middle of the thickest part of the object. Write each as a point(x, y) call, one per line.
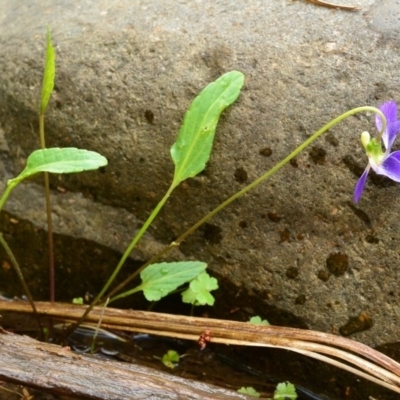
point(158, 280)
point(199, 290)
point(250, 391)
point(258, 321)
point(190, 153)
point(285, 391)
point(170, 359)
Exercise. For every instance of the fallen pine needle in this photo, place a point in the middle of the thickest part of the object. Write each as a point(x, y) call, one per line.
point(331, 5)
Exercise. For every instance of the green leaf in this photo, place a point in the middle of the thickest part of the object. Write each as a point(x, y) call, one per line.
point(258, 321)
point(170, 359)
point(49, 74)
point(192, 148)
point(285, 391)
point(158, 280)
point(199, 290)
point(60, 161)
point(250, 391)
point(77, 300)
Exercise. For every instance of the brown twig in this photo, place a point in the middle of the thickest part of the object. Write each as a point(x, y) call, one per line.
point(358, 358)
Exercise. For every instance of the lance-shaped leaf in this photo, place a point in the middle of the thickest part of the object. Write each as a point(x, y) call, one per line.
point(49, 74)
point(60, 161)
point(158, 280)
point(192, 148)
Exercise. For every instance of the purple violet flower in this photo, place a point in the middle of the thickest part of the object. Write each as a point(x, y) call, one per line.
point(382, 162)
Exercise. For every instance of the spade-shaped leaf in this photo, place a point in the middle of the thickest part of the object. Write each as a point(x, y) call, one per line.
point(285, 391)
point(158, 280)
point(192, 148)
point(60, 161)
point(49, 74)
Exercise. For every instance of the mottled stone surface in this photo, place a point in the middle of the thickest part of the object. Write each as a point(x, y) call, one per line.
point(126, 73)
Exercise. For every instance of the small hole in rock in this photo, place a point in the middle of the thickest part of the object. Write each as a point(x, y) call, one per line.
point(243, 224)
point(212, 233)
point(149, 115)
point(317, 155)
point(266, 152)
point(240, 175)
point(371, 239)
point(323, 275)
point(285, 235)
point(274, 216)
point(337, 263)
point(300, 299)
point(292, 272)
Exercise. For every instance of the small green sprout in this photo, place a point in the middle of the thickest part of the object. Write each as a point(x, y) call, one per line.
point(250, 391)
point(199, 290)
point(49, 74)
point(285, 391)
point(258, 321)
point(45, 333)
point(170, 359)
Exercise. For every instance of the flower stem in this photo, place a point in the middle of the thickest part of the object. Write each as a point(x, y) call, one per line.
point(252, 185)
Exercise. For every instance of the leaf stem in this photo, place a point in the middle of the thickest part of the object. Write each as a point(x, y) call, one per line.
point(7, 192)
point(263, 177)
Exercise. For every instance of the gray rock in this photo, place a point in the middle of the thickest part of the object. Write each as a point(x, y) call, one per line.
point(128, 70)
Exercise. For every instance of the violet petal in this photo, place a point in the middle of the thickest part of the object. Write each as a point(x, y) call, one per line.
point(389, 110)
point(389, 137)
point(359, 188)
point(390, 167)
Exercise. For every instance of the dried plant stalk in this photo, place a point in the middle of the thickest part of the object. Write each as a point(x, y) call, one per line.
point(359, 358)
